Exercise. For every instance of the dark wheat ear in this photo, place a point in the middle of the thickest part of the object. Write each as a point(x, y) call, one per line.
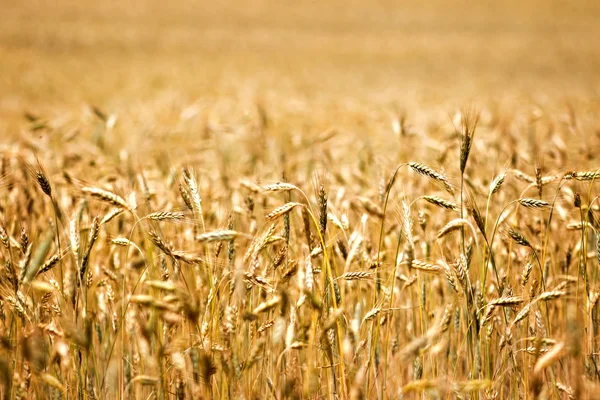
point(473, 209)
point(538, 179)
point(468, 124)
point(322, 200)
point(518, 238)
point(40, 176)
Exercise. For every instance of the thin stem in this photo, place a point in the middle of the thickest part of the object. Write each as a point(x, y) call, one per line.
point(490, 248)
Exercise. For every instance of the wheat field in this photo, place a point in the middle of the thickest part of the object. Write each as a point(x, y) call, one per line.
point(273, 200)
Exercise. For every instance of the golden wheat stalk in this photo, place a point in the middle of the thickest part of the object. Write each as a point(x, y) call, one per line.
point(282, 210)
point(106, 196)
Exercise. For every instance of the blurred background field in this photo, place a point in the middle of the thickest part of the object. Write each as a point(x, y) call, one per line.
point(63, 53)
point(189, 69)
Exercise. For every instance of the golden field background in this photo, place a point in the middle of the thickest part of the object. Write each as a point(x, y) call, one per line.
point(327, 64)
point(66, 52)
point(147, 250)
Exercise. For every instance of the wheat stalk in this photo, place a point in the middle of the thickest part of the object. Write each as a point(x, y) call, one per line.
point(282, 210)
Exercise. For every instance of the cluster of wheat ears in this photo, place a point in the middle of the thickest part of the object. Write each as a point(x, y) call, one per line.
point(149, 284)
